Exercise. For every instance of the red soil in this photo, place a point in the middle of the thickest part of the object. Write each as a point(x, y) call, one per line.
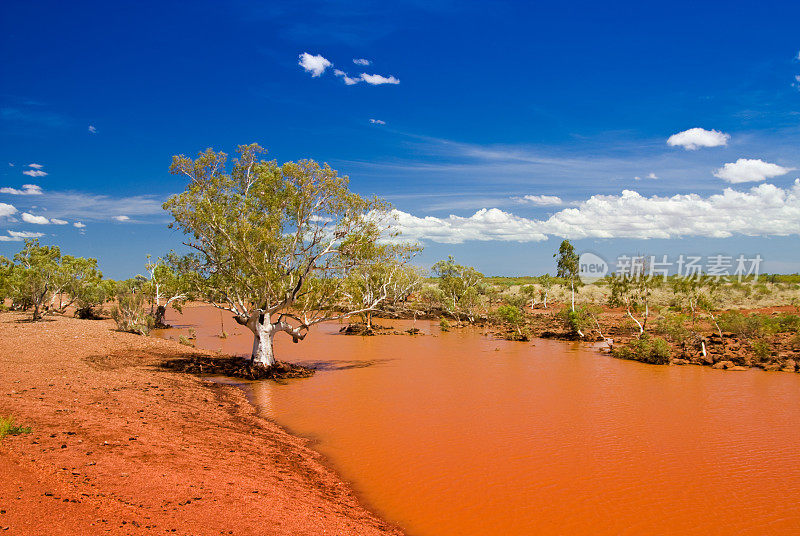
point(121, 446)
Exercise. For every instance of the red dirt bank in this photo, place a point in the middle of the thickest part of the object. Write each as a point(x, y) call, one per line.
point(121, 446)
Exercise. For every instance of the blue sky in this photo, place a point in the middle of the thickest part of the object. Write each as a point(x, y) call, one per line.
point(495, 102)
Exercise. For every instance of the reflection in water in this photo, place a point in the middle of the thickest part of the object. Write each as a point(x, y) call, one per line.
point(456, 433)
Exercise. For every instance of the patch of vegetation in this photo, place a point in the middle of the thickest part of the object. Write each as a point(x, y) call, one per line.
point(9, 427)
point(655, 350)
point(762, 350)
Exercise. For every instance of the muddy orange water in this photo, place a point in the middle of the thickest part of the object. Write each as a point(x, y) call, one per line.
point(456, 433)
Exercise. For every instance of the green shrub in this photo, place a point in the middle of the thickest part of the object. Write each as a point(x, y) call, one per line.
point(762, 350)
point(579, 320)
point(7, 427)
point(655, 351)
point(444, 325)
point(673, 326)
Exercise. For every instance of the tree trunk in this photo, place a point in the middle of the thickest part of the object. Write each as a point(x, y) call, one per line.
point(263, 354)
point(159, 317)
point(572, 287)
point(368, 317)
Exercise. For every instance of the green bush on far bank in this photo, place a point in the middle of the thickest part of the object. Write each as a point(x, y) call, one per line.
point(655, 351)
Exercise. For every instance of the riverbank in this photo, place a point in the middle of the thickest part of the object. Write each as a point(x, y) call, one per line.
point(120, 445)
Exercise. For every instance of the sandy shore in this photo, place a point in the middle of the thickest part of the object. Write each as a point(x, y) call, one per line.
point(121, 446)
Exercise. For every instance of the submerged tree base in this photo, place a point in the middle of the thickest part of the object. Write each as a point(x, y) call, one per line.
point(237, 367)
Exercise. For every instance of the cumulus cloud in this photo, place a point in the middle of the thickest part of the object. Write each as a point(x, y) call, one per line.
point(541, 200)
point(315, 65)
point(57, 221)
point(361, 61)
point(377, 122)
point(34, 173)
point(92, 129)
point(79, 225)
point(7, 210)
point(377, 79)
point(38, 220)
point(122, 218)
point(19, 236)
point(749, 170)
point(764, 210)
point(694, 138)
point(347, 80)
point(27, 189)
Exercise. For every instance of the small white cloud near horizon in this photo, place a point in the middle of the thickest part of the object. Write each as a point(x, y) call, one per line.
point(347, 80)
point(122, 218)
point(695, 138)
point(749, 170)
point(19, 236)
point(27, 189)
point(361, 61)
point(377, 79)
point(56, 221)
point(79, 225)
point(38, 220)
point(92, 129)
point(540, 200)
point(377, 122)
point(315, 65)
point(649, 176)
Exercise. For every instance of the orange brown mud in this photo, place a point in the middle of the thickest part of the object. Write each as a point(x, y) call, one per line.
point(122, 446)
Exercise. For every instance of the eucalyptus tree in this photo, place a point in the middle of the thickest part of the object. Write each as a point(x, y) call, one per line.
point(567, 264)
point(275, 244)
point(388, 281)
point(459, 285)
point(169, 284)
point(36, 274)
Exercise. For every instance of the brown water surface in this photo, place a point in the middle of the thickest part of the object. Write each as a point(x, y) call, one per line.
point(456, 433)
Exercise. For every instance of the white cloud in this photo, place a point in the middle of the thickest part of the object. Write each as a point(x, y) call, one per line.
point(764, 210)
point(19, 236)
point(35, 166)
point(315, 65)
point(92, 129)
point(376, 79)
point(56, 221)
point(347, 80)
point(377, 122)
point(541, 200)
point(361, 61)
point(7, 210)
point(749, 170)
point(10, 164)
point(649, 176)
point(34, 173)
point(79, 225)
point(694, 138)
point(27, 189)
point(121, 218)
point(38, 220)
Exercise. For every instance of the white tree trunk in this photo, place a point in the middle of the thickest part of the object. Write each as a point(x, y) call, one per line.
point(572, 287)
point(263, 354)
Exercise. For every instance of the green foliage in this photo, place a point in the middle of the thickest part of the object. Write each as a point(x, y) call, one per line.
point(646, 349)
point(130, 310)
point(509, 314)
point(444, 325)
point(459, 287)
point(673, 326)
point(746, 326)
point(761, 349)
point(8, 427)
point(576, 321)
